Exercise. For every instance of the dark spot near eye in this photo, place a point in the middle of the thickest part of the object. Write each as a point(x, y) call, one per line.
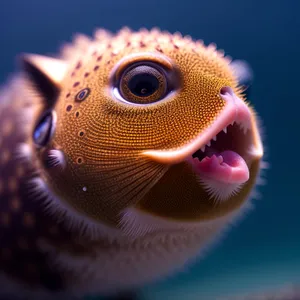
point(82, 95)
point(159, 49)
point(86, 74)
point(77, 114)
point(96, 68)
point(142, 44)
point(81, 133)
point(176, 46)
point(72, 74)
point(78, 66)
point(94, 53)
point(68, 95)
point(76, 83)
point(79, 160)
point(69, 108)
point(128, 44)
point(99, 58)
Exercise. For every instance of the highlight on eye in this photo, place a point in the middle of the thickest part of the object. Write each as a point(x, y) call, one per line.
point(44, 129)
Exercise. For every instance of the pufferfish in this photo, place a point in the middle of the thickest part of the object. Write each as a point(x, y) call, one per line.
point(121, 160)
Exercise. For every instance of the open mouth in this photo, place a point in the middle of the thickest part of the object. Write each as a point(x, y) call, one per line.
point(225, 157)
point(222, 154)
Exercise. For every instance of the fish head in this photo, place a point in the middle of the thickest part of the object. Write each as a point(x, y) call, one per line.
point(146, 120)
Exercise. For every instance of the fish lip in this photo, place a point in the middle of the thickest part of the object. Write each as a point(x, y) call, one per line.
point(235, 111)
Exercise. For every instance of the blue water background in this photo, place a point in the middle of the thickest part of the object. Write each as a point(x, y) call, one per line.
point(264, 249)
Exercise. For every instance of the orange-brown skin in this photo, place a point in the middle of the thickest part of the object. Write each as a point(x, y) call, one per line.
point(78, 208)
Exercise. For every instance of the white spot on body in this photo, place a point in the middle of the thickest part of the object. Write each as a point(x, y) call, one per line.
point(61, 211)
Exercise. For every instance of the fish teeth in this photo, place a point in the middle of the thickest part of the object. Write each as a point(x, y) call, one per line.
point(208, 143)
point(203, 148)
point(225, 129)
point(243, 127)
point(214, 138)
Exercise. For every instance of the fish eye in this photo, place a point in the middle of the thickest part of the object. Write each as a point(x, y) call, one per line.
point(82, 95)
point(44, 129)
point(144, 83)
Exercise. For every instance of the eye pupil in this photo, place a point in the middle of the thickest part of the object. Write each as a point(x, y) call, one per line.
point(42, 132)
point(143, 84)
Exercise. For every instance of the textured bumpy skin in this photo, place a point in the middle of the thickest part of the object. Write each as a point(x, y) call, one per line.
point(111, 201)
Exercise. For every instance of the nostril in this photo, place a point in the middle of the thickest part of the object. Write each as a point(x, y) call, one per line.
point(226, 90)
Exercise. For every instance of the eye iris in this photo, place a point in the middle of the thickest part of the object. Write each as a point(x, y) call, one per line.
point(143, 84)
point(42, 132)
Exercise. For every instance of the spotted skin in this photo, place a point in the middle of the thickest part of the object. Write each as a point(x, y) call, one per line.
point(88, 212)
point(22, 220)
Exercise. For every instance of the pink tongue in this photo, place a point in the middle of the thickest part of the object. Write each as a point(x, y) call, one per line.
point(227, 166)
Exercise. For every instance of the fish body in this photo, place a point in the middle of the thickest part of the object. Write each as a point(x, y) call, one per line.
point(121, 160)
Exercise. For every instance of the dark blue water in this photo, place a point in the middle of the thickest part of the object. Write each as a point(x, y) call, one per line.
point(264, 249)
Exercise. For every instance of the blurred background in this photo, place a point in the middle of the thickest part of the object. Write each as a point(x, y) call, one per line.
point(263, 250)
